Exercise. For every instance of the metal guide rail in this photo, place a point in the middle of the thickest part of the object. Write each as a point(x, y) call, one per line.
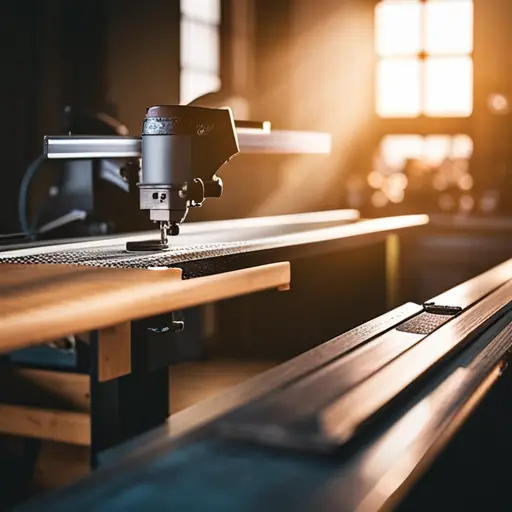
point(249, 140)
point(342, 427)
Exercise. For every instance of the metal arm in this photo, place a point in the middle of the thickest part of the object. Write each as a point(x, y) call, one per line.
point(249, 141)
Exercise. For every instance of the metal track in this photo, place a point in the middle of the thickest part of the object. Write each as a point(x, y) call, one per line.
point(249, 141)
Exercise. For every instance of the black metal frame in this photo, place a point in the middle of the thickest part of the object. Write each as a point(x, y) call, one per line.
point(130, 405)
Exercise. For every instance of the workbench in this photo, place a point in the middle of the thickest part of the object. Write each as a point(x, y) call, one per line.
point(121, 310)
point(350, 425)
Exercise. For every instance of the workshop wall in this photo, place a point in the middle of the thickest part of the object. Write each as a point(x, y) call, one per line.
point(19, 87)
point(313, 60)
point(52, 56)
point(491, 123)
point(116, 56)
point(142, 56)
point(264, 35)
point(331, 86)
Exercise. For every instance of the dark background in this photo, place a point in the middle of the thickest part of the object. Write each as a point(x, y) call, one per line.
point(119, 56)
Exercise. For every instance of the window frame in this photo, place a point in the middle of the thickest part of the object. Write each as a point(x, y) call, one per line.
point(219, 72)
point(422, 123)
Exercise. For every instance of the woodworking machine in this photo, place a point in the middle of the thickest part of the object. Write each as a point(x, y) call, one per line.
point(181, 149)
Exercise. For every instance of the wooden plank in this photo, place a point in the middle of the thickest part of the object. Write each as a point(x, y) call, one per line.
point(343, 417)
point(44, 304)
point(299, 404)
point(115, 355)
point(470, 291)
point(44, 388)
point(64, 427)
point(432, 452)
point(418, 436)
point(290, 415)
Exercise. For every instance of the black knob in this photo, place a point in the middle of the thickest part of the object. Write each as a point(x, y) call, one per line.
point(174, 230)
point(213, 187)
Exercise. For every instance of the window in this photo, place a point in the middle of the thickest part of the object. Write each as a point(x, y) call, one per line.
point(425, 62)
point(199, 48)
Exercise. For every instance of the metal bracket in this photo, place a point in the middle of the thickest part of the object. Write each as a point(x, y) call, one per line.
point(437, 309)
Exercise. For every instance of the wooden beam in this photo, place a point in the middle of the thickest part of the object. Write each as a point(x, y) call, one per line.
point(115, 356)
point(64, 427)
point(342, 417)
point(45, 388)
point(39, 304)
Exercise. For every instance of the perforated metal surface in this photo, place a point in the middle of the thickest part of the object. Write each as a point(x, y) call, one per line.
point(118, 257)
point(424, 323)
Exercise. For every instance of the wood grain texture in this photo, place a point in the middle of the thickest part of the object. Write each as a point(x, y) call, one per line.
point(345, 415)
point(60, 426)
point(115, 355)
point(45, 388)
point(39, 303)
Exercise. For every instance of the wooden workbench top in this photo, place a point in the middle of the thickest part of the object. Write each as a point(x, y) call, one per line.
point(44, 302)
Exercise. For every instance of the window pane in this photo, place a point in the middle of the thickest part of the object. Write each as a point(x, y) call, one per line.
point(398, 88)
point(449, 86)
point(194, 84)
point(395, 150)
point(449, 27)
point(462, 147)
point(397, 28)
point(199, 46)
point(437, 149)
point(203, 10)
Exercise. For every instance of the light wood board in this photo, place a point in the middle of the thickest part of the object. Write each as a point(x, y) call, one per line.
point(60, 426)
point(43, 302)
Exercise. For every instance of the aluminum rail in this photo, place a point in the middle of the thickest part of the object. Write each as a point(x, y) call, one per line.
point(249, 141)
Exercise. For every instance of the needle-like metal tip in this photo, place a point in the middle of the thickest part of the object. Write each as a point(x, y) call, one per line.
point(164, 226)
